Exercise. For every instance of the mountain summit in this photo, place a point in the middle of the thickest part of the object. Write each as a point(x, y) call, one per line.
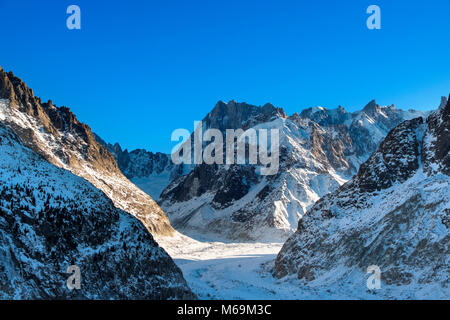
point(235, 115)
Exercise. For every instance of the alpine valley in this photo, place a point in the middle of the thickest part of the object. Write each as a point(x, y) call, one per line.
point(353, 190)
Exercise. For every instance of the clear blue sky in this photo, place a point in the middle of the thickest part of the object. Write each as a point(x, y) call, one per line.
point(140, 69)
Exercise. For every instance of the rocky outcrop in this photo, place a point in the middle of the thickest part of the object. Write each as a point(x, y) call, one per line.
point(59, 137)
point(394, 161)
point(234, 115)
point(393, 214)
point(437, 140)
point(51, 219)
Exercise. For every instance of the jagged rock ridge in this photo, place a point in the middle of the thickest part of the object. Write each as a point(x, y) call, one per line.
point(56, 134)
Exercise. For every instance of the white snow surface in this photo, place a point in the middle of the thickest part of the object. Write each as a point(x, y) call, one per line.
point(225, 270)
point(221, 270)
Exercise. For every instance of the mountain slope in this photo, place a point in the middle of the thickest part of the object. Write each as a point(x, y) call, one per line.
point(393, 214)
point(320, 149)
point(56, 134)
point(51, 219)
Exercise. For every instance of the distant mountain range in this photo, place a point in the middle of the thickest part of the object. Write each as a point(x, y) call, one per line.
point(151, 172)
point(320, 150)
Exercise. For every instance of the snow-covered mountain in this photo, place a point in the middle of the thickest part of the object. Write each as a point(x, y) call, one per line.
point(51, 219)
point(151, 172)
point(320, 149)
point(56, 134)
point(394, 214)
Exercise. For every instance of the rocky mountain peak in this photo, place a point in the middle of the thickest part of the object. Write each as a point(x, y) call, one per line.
point(325, 117)
point(321, 149)
point(53, 119)
point(444, 102)
point(117, 149)
point(372, 106)
point(235, 115)
point(151, 172)
point(308, 112)
point(437, 140)
point(6, 88)
point(17, 92)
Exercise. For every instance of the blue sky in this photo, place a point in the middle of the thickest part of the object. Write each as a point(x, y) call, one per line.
point(137, 70)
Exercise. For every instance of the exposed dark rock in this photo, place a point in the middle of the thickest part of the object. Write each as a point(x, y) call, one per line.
point(141, 163)
point(396, 160)
point(234, 115)
point(438, 150)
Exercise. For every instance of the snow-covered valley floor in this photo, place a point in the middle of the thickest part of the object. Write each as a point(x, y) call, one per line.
point(220, 270)
point(242, 271)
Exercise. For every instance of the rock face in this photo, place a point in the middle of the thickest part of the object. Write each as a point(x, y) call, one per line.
point(51, 219)
point(234, 115)
point(395, 160)
point(59, 137)
point(320, 149)
point(437, 148)
point(393, 214)
point(151, 172)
